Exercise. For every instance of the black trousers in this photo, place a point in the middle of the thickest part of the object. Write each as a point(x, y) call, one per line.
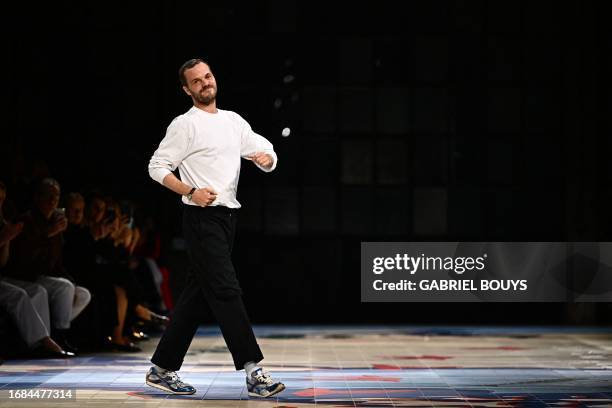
point(211, 286)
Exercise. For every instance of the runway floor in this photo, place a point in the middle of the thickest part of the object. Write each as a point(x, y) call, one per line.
point(345, 366)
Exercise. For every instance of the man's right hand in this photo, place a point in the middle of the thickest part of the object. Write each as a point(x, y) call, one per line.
point(10, 231)
point(60, 225)
point(204, 196)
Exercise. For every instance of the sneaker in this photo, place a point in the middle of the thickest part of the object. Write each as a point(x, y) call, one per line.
point(260, 384)
point(169, 382)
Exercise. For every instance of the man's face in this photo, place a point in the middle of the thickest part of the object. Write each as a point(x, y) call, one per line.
point(48, 199)
point(201, 84)
point(74, 212)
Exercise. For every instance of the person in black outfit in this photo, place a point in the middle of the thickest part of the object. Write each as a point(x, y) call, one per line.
point(206, 144)
point(98, 321)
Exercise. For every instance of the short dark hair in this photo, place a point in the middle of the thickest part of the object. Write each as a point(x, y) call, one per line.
point(70, 197)
point(189, 64)
point(46, 183)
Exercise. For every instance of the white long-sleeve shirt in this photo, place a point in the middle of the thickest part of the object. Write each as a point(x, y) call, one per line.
point(206, 148)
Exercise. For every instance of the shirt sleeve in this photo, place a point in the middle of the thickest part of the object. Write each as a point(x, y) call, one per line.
point(171, 151)
point(252, 143)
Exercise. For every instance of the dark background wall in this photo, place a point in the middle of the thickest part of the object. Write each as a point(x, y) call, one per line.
point(427, 120)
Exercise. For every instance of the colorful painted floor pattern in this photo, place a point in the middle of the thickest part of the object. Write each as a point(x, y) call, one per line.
point(351, 367)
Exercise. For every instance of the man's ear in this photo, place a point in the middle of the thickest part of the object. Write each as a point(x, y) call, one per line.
point(187, 91)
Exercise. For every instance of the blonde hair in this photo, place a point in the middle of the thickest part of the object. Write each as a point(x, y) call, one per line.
point(73, 196)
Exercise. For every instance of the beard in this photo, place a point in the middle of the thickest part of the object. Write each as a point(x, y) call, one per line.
point(205, 97)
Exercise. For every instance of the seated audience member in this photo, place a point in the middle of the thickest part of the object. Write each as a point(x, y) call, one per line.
point(113, 238)
point(36, 259)
point(123, 239)
point(100, 318)
point(28, 311)
point(100, 226)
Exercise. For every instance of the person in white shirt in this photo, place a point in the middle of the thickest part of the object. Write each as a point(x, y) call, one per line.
point(206, 144)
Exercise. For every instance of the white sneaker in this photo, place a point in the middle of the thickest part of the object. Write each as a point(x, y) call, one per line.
point(260, 384)
point(169, 382)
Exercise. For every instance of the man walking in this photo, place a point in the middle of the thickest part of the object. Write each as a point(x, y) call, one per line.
point(206, 144)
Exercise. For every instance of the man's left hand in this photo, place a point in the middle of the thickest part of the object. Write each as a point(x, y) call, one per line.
point(263, 159)
point(59, 225)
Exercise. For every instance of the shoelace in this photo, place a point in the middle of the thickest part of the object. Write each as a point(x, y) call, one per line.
point(264, 377)
point(175, 378)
